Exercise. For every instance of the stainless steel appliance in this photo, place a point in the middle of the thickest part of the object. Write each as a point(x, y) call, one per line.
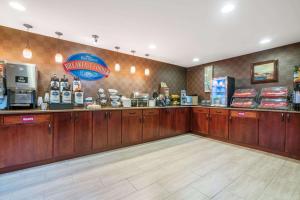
point(222, 91)
point(21, 82)
point(139, 99)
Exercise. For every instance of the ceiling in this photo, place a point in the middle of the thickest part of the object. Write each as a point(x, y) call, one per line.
point(181, 29)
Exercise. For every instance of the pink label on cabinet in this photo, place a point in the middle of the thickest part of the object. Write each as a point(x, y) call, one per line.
point(27, 119)
point(241, 113)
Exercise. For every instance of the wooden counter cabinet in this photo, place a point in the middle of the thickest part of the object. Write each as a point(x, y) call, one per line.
point(83, 132)
point(107, 129)
point(243, 127)
point(272, 130)
point(132, 126)
point(218, 123)
point(150, 124)
point(293, 134)
point(25, 139)
point(200, 120)
point(167, 125)
point(182, 120)
point(64, 135)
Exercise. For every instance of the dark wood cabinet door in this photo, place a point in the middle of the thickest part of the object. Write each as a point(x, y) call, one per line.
point(100, 129)
point(243, 127)
point(25, 143)
point(272, 130)
point(83, 132)
point(132, 126)
point(63, 125)
point(293, 134)
point(9, 146)
point(218, 125)
point(150, 124)
point(114, 128)
point(167, 123)
point(200, 120)
point(182, 120)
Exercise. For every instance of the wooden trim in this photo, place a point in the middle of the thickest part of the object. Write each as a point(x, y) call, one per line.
point(21, 119)
point(201, 110)
point(244, 114)
point(151, 112)
point(217, 111)
point(135, 112)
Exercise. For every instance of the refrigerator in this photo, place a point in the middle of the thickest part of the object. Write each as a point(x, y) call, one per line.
point(222, 91)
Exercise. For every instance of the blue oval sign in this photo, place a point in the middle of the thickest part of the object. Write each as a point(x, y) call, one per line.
point(86, 66)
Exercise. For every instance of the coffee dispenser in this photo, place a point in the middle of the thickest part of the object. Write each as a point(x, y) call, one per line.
point(21, 83)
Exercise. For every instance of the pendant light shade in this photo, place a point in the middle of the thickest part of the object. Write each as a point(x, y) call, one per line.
point(117, 65)
point(58, 56)
point(132, 69)
point(27, 53)
point(147, 70)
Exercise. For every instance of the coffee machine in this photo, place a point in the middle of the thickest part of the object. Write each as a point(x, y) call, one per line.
point(21, 83)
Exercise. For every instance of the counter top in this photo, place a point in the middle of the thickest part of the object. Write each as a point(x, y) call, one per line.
point(38, 111)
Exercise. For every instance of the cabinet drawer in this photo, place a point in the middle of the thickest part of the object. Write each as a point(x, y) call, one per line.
point(150, 112)
point(219, 111)
point(244, 114)
point(201, 110)
point(25, 119)
point(132, 112)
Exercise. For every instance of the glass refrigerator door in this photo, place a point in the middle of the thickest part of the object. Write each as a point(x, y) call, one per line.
point(219, 92)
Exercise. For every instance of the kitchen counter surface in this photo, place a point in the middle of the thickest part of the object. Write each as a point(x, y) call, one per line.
point(38, 111)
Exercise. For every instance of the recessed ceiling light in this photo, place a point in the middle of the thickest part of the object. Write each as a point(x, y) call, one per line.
point(228, 8)
point(152, 46)
point(17, 6)
point(196, 59)
point(265, 41)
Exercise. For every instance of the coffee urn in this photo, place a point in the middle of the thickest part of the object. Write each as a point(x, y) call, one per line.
point(21, 83)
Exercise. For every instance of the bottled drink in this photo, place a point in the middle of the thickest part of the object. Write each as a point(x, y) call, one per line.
point(54, 81)
point(66, 95)
point(63, 83)
point(78, 98)
point(76, 84)
point(54, 91)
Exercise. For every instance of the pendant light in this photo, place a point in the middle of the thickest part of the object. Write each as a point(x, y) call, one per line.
point(147, 71)
point(27, 53)
point(58, 56)
point(132, 68)
point(117, 65)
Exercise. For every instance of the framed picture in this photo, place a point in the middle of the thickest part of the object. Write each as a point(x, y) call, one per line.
point(264, 72)
point(208, 76)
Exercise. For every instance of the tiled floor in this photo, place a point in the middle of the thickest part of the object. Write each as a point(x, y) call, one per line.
point(184, 167)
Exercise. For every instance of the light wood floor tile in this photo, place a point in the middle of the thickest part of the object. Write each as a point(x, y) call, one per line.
point(186, 167)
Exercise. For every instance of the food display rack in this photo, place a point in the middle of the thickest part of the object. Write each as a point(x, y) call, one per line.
point(244, 98)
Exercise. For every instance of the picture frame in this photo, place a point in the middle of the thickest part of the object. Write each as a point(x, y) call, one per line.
point(264, 72)
point(208, 76)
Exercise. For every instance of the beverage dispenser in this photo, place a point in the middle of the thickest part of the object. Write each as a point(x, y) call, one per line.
point(21, 82)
